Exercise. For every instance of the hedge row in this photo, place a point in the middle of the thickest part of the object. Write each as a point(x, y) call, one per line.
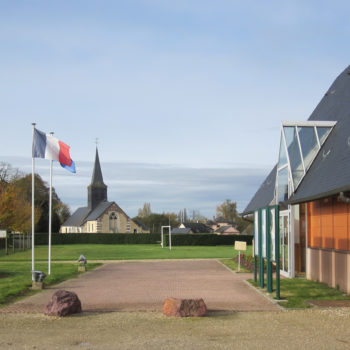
point(97, 238)
point(145, 238)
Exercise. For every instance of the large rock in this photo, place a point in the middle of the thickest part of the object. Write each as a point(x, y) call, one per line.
point(184, 307)
point(63, 303)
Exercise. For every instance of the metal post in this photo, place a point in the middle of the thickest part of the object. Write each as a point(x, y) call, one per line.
point(239, 260)
point(277, 250)
point(169, 238)
point(50, 216)
point(33, 165)
point(268, 252)
point(255, 268)
point(261, 259)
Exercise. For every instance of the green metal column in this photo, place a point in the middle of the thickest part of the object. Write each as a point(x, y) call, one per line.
point(268, 251)
point(261, 259)
point(277, 250)
point(256, 225)
point(255, 268)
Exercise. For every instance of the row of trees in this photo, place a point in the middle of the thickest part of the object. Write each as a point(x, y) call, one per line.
point(227, 210)
point(16, 199)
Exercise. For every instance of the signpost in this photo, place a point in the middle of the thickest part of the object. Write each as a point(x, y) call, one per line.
point(240, 245)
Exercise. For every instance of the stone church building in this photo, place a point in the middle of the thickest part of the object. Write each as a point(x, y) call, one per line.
point(100, 216)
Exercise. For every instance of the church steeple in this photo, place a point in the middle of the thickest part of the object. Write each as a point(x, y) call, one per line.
point(97, 190)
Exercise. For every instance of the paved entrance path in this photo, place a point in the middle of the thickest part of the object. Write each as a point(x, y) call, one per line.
point(142, 286)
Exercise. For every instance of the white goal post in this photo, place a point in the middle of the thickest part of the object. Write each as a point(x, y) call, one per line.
point(162, 243)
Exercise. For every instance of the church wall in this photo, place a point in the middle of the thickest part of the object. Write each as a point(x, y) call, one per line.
point(121, 225)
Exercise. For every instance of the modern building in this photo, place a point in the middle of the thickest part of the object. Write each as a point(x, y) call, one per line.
point(311, 185)
point(100, 216)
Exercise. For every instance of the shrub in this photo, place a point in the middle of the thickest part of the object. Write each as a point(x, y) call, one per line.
point(140, 238)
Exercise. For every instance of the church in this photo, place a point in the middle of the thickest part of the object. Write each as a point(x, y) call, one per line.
point(100, 216)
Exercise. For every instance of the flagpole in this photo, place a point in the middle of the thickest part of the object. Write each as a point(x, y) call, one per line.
point(50, 215)
point(33, 166)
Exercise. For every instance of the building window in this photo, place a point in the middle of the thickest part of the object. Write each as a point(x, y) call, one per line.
point(113, 222)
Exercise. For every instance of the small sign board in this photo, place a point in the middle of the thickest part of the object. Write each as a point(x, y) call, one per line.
point(2, 234)
point(239, 245)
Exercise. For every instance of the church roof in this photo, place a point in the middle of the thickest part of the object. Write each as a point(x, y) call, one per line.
point(97, 178)
point(98, 211)
point(77, 218)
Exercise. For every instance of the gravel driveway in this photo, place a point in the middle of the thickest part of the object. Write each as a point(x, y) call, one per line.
point(142, 286)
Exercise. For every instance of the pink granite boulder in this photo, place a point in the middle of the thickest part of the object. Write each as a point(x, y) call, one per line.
point(184, 307)
point(63, 303)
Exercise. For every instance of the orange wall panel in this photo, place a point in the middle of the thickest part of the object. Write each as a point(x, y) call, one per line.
point(314, 224)
point(340, 220)
point(329, 224)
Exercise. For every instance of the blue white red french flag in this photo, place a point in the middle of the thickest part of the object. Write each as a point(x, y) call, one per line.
point(48, 147)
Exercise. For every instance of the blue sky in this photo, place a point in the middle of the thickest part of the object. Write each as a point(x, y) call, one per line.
point(192, 91)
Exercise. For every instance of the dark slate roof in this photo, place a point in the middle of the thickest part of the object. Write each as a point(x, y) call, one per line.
point(139, 223)
point(97, 178)
point(98, 211)
point(330, 171)
point(224, 228)
point(77, 218)
point(83, 214)
point(179, 230)
point(198, 227)
point(265, 194)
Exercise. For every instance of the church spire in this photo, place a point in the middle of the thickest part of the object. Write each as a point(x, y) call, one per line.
point(97, 190)
point(97, 177)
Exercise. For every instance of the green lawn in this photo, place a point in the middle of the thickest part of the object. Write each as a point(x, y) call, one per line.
point(16, 277)
point(296, 292)
point(124, 252)
point(233, 265)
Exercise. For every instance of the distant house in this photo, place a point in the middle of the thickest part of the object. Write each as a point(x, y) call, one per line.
point(217, 223)
point(100, 216)
point(182, 231)
point(196, 227)
point(227, 230)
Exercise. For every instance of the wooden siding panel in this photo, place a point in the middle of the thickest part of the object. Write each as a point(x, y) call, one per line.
point(314, 224)
point(340, 219)
point(327, 223)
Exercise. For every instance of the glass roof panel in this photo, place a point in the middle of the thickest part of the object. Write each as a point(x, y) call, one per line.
point(308, 143)
point(283, 157)
point(294, 155)
point(323, 133)
point(302, 145)
point(282, 190)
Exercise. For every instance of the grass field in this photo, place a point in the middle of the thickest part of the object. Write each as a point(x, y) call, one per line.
point(16, 277)
point(124, 252)
point(296, 292)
